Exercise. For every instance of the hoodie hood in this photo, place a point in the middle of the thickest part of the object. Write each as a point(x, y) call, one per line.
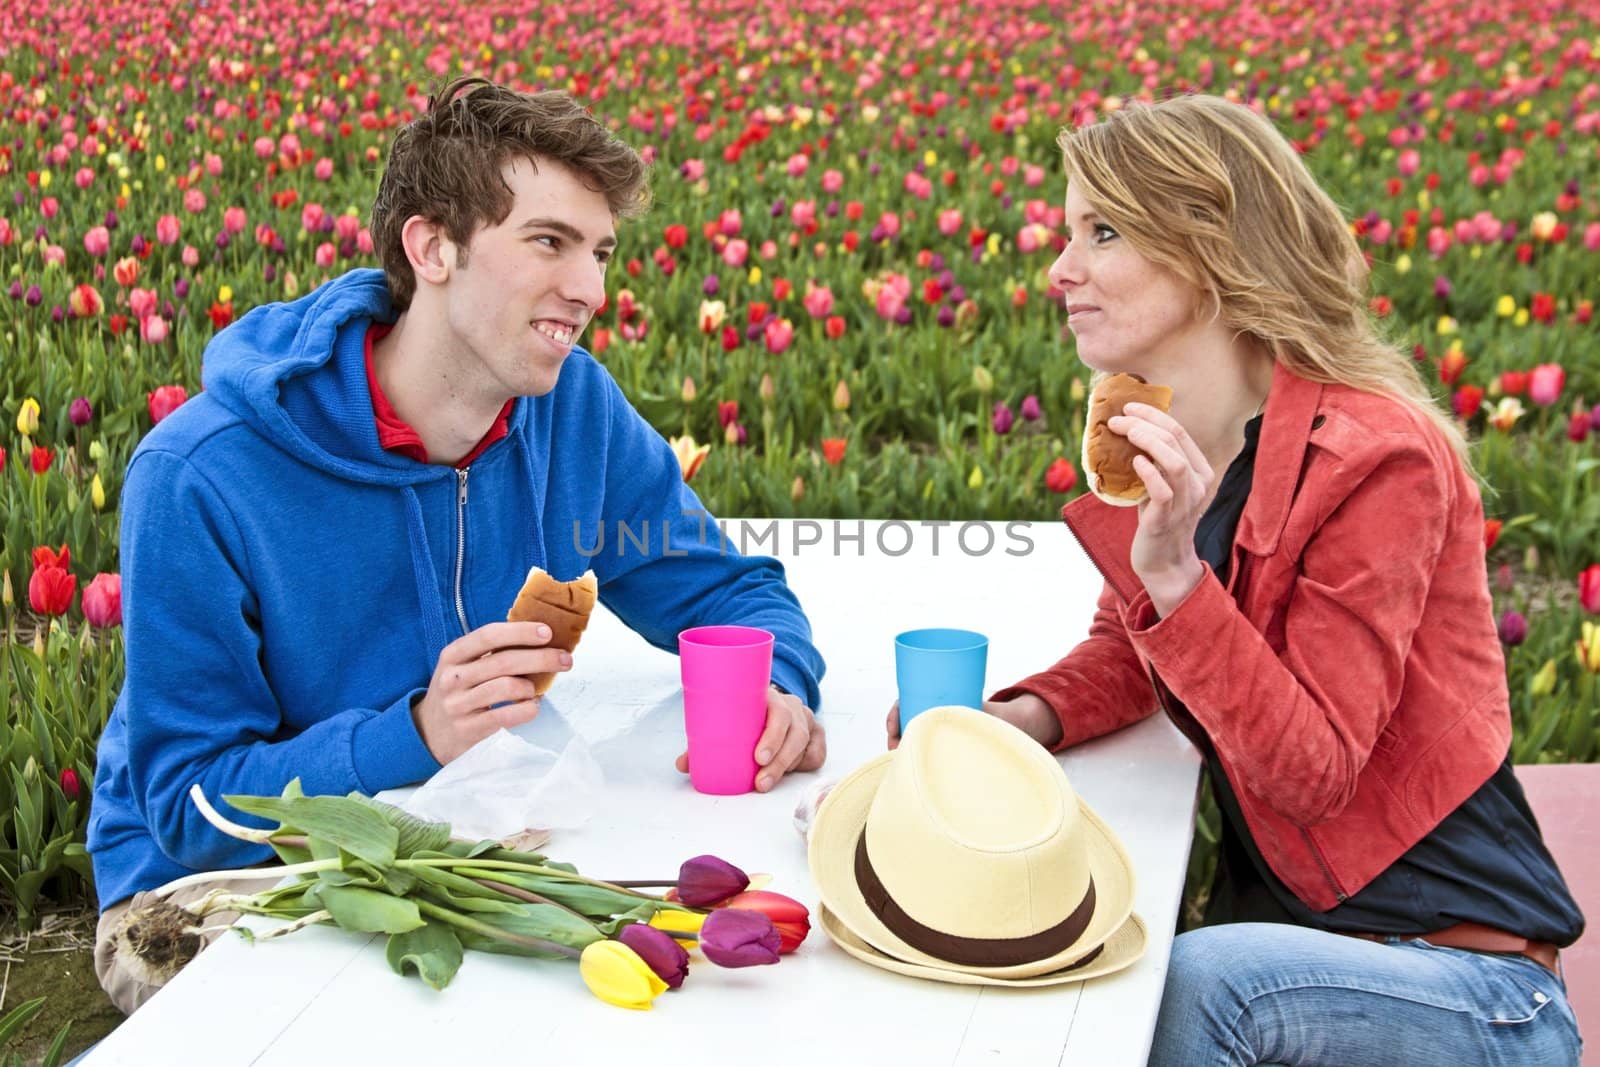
point(279, 369)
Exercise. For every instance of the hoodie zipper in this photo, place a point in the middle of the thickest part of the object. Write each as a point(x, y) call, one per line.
point(461, 543)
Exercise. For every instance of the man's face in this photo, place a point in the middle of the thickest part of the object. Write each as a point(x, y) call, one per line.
point(522, 292)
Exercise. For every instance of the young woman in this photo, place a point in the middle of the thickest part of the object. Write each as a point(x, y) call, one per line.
point(1304, 592)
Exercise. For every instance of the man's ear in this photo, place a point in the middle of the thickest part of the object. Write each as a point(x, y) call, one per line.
point(429, 250)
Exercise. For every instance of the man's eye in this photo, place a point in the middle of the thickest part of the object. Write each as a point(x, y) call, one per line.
point(602, 258)
point(548, 240)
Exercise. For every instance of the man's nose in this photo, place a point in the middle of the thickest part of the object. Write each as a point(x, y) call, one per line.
point(586, 285)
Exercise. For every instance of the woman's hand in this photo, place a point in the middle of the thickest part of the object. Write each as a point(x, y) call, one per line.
point(1179, 481)
point(1027, 712)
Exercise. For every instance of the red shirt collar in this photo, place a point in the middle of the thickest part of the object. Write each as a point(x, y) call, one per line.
point(396, 435)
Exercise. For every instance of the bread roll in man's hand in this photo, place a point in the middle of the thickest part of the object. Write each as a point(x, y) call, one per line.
point(562, 606)
point(1107, 455)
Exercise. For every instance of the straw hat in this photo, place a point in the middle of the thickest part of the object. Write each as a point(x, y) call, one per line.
point(965, 856)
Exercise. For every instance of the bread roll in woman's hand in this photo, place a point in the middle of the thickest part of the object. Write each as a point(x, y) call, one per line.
point(562, 606)
point(1107, 455)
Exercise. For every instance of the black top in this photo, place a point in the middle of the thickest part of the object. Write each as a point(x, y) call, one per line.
point(1485, 863)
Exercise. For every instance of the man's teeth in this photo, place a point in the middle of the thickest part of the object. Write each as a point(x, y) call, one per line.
point(561, 335)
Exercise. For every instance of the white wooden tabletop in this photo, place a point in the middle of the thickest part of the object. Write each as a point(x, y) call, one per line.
point(325, 996)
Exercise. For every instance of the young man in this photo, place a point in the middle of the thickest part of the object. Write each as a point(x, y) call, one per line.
point(317, 548)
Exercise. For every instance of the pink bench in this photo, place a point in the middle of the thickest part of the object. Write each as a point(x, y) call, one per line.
point(1562, 796)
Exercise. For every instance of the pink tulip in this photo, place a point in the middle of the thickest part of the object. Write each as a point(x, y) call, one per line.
point(323, 170)
point(779, 333)
point(797, 165)
point(736, 253)
point(7, 235)
point(345, 227)
point(213, 164)
point(803, 214)
point(165, 400)
point(832, 182)
point(1033, 175)
point(153, 329)
point(97, 242)
point(191, 256)
point(1545, 383)
point(84, 178)
point(194, 201)
point(234, 220)
point(264, 148)
point(730, 222)
point(49, 207)
point(143, 303)
point(1409, 162)
point(102, 601)
point(950, 221)
point(818, 301)
point(1591, 237)
point(326, 253)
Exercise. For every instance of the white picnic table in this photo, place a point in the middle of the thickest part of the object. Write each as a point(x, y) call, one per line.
point(324, 996)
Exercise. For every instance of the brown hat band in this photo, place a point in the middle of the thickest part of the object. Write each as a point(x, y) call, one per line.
point(971, 951)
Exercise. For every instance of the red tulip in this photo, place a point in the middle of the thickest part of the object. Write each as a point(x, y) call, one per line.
point(40, 458)
point(1589, 588)
point(102, 601)
point(789, 916)
point(1491, 532)
point(165, 400)
point(1061, 476)
point(71, 787)
point(45, 556)
point(833, 450)
point(50, 590)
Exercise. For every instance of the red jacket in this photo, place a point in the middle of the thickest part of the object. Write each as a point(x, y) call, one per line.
point(1349, 674)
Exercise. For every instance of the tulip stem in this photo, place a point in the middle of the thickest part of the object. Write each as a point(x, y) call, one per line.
point(473, 926)
point(528, 896)
point(244, 833)
point(463, 866)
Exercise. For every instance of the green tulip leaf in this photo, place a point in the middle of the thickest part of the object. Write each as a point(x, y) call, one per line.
point(367, 910)
point(416, 835)
point(353, 827)
point(432, 950)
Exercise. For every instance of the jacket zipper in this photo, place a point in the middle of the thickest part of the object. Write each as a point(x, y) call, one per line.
point(461, 543)
point(1327, 872)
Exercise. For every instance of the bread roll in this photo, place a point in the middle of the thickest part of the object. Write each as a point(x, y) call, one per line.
point(562, 606)
point(1108, 456)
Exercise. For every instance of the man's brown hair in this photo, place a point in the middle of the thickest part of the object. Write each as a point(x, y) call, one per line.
point(445, 166)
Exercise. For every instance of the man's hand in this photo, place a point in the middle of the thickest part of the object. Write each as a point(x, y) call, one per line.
point(1026, 712)
point(793, 741)
point(481, 684)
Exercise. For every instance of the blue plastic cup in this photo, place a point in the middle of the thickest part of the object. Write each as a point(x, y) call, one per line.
point(937, 668)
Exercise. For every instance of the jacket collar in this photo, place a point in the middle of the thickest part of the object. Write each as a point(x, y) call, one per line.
point(1106, 532)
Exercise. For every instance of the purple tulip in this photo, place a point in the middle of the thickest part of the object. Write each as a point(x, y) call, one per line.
point(1513, 628)
point(80, 412)
point(660, 952)
point(58, 313)
point(946, 317)
point(180, 288)
point(1003, 419)
point(734, 937)
point(1442, 287)
point(707, 880)
point(222, 238)
point(1031, 411)
point(711, 286)
point(138, 244)
point(33, 297)
point(15, 290)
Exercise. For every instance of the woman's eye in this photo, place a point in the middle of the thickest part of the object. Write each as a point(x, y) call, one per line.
point(1103, 233)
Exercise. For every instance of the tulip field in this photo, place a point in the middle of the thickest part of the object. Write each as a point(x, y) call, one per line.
point(837, 306)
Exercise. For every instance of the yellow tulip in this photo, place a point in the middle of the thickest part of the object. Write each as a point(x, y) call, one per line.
point(97, 493)
point(615, 973)
point(689, 922)
point(975, 479)
point(28, 417)
point(1588, 648)
point(690, 455)
point(841, 396)
point(1544, 682)
point(1506, 306)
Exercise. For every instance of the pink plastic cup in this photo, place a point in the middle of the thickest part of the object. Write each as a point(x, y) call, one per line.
point(726, 672)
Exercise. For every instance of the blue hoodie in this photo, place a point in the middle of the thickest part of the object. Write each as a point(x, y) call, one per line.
point(289, 585)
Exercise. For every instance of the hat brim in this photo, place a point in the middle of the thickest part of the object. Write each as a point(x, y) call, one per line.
point(1124, 947)
point(831, 853)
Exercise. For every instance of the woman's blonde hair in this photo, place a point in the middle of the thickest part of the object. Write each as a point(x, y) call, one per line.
point(1211, 191)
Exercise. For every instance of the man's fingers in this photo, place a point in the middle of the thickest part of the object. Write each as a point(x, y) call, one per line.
point(507, 716)
point(816, 753)
point(772, 738)
point(494, 636)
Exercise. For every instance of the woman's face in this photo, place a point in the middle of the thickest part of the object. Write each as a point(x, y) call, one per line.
point(1127, 313)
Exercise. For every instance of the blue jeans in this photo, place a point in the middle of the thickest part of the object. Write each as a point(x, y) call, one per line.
point(1265, 993)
